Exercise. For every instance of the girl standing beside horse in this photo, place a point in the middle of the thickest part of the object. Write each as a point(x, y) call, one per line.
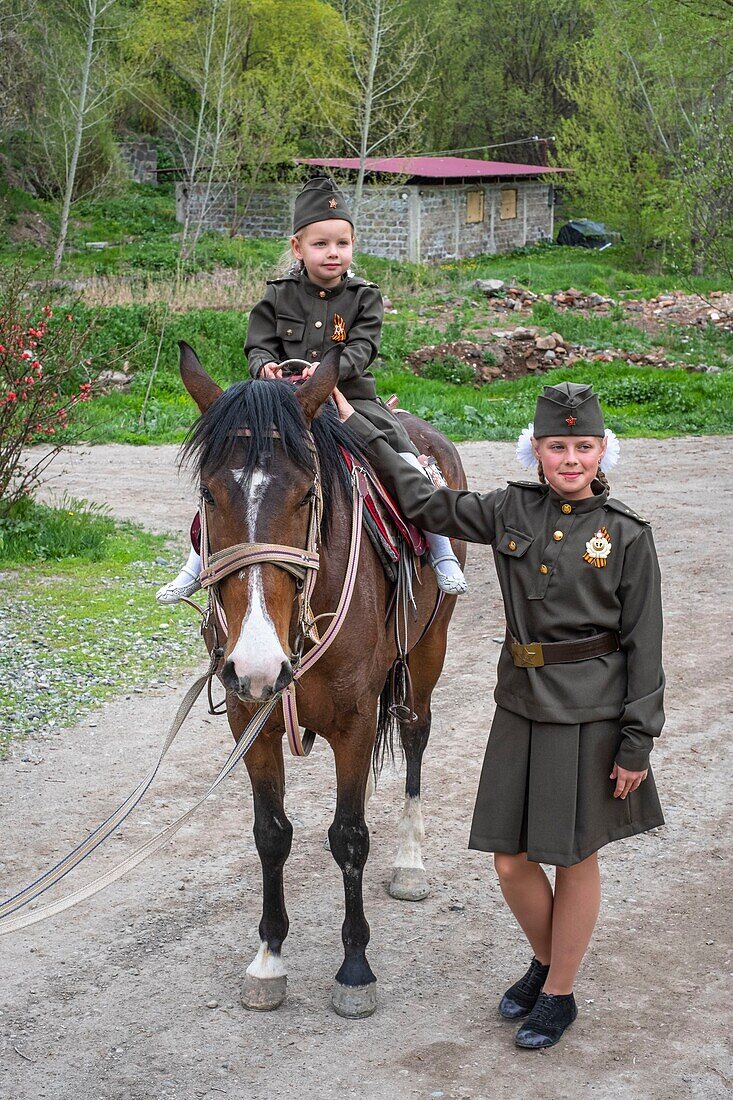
point(317, 305)
point(579, 686)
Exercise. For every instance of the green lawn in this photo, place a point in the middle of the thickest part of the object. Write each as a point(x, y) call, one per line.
point(78, 631)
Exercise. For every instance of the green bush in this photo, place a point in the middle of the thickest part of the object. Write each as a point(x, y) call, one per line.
point(36, 532)
point(450, 369)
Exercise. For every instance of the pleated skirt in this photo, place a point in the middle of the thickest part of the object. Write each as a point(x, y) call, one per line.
point(545, 790)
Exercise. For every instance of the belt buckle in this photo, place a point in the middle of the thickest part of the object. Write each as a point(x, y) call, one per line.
point(528, 656)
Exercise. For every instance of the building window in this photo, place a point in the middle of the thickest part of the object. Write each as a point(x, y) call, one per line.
point(474, 206)
point(508, 208)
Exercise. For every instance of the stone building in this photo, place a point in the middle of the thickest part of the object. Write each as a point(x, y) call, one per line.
point(413, 208)
point(141, 157)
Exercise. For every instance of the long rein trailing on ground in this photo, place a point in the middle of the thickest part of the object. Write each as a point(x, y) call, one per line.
point(302, 563)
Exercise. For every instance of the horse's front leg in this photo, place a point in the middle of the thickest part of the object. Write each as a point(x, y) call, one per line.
point(355, 988)
point(266, 979)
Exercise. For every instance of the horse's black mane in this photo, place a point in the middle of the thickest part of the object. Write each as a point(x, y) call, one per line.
point(259, 405)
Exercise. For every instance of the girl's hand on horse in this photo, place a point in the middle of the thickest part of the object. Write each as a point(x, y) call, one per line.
point(309, 370)
point(626, 781)
point(343, 406)
point(270, 370)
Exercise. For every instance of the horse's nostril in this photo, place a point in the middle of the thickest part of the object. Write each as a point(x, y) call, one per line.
point(285, 677)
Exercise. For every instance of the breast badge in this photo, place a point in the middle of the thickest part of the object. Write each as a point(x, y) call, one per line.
point(339, 329)
point(598, 549)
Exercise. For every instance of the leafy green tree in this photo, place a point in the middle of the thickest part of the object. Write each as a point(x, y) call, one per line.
point(646, 83)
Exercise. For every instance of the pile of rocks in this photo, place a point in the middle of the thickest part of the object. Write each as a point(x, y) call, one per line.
point(575, 299)
point(509, 296)
point(715, 308)
point(513, 353)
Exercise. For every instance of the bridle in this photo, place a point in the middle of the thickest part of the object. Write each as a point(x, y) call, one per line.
point(301, 563)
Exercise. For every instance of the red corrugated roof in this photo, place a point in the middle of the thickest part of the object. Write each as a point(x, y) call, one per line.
point(435, 167)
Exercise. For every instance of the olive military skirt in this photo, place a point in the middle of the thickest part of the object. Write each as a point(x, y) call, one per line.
point(544, 790)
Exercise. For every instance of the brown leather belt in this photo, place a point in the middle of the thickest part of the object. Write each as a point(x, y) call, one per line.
point(537, 654)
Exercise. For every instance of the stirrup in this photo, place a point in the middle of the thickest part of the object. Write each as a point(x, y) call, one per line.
point(173, 593)
point(452, 586)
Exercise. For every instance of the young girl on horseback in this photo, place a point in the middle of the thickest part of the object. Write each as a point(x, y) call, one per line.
point(320, 302)
point(579, 685)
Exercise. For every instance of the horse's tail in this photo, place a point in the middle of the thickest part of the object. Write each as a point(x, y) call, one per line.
point(396, 692)
point(387, 727)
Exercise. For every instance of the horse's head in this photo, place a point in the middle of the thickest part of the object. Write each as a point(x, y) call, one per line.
point(253, 451)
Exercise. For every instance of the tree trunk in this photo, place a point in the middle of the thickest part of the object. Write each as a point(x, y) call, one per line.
point(78, 133)
point(368, 100)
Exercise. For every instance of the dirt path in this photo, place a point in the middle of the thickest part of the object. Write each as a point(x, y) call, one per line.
point(135, 995)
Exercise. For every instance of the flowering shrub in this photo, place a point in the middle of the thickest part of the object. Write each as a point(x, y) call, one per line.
point(43, 377)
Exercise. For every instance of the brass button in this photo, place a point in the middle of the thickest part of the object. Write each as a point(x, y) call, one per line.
point(567, 509)
point(319, 324)
point(544, 570)
point(314, 355)
point(321, 294)
point(558, 536)
point(288, 332)
point(512, 545)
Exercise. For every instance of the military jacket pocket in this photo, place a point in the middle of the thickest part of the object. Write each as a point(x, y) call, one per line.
point(513, 543)
point(290, 329)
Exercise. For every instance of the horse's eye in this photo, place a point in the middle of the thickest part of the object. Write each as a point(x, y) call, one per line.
point(207, 496)
point(307, 498)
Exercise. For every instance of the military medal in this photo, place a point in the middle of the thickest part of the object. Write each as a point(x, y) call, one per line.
point(332, 203)
point(339, 329)
point(598, 549)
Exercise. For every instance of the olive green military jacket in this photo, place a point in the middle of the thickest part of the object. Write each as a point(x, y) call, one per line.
point(298, 319)
point(552, 593)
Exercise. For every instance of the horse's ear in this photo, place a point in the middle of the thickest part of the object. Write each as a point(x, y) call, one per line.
point(203, 389)
point(319, 386)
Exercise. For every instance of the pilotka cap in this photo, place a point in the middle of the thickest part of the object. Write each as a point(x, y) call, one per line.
point(319, 200)
point(568, 409)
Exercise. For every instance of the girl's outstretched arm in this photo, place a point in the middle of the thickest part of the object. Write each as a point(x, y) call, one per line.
point(456, 512)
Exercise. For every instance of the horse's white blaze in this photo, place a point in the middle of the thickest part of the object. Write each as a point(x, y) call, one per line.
point(266, 965)
point(410, 835)
point(258, 653)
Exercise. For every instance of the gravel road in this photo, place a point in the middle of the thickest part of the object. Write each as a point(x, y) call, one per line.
point(135, 995)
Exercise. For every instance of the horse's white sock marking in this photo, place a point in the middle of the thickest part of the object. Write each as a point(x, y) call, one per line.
point(266, 965)
point(410, 834)
point(257, 653)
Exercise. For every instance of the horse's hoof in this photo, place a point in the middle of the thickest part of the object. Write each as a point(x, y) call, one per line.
point(355, 1002)
point(409, 884)
point(263, 994)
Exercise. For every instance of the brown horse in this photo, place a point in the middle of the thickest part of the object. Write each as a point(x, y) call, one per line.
point(253, 452)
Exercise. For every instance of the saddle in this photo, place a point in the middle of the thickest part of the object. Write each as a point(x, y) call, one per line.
point(387, 528)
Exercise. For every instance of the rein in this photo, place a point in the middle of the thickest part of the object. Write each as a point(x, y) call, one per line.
point(300, 747)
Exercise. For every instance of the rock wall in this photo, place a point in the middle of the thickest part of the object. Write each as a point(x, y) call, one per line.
point(407, 222)
point(142, 159)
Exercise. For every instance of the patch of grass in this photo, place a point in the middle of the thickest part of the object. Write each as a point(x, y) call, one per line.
point(638, 401)
point(449, 369)
point(88, 631)
point(591, 331)
point(37, 532)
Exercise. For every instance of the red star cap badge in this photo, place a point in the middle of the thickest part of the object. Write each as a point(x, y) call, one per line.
point(332, 203)
point(571, 420)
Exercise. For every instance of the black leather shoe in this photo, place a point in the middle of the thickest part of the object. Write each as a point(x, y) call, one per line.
point(520, 998)
point(547, 1021)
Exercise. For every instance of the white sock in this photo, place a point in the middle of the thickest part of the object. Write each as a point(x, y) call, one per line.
point(440, 547)
point(190, 571)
